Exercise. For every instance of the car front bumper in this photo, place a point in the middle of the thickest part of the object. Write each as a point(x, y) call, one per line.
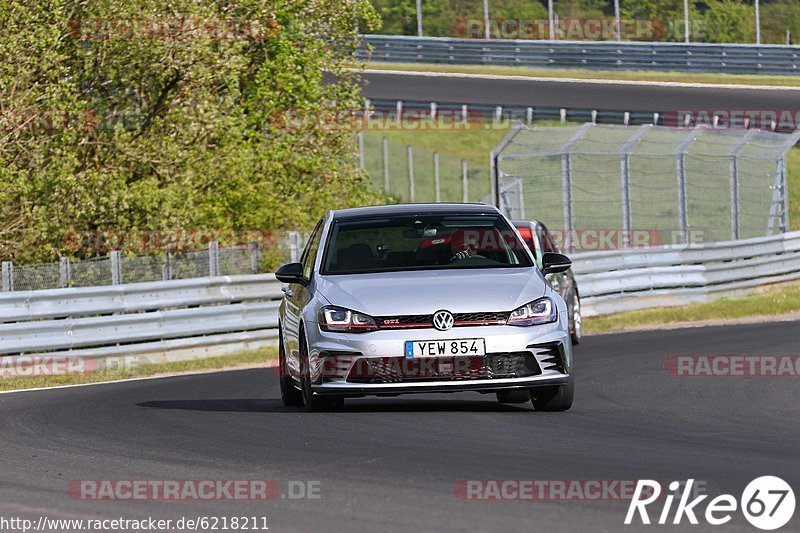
point(336, 356)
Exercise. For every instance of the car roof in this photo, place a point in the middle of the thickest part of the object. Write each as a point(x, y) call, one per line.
point(414, 209)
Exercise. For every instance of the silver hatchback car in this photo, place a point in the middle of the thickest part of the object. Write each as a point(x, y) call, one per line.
point(398, 299)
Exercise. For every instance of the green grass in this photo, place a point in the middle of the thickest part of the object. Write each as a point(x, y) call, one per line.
point(453, 145)
point(766, 302)
point(623, 75)
point(153, 369)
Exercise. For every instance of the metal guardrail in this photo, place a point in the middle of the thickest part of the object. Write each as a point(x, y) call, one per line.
point(488, 114)
point(627, 280)
point(181, 319)
point(209, 315)
point(606, 55)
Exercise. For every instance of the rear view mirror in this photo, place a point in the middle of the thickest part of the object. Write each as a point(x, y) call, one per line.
point(291, 273)
point(555, 263)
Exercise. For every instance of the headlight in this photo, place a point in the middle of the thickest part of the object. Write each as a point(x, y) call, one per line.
point(344, 320)
point(541, 311)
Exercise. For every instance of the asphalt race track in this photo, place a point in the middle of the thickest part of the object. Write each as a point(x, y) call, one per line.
point(391, 464)
point(607, 95)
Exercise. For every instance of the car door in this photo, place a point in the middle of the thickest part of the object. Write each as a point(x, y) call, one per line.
point(297, 296)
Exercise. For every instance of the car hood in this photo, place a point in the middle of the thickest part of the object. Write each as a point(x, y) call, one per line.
point(425, 292)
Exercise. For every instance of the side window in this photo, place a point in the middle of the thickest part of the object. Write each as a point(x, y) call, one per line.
point(310, 253)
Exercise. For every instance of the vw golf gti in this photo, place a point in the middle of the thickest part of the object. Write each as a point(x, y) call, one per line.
point(389, 300)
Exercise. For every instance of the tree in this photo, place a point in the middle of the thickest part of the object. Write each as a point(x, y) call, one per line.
point(162, 115)
point(729, 21)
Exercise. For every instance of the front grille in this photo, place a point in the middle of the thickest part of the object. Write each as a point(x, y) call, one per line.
point(403, 370)
point(426, 321)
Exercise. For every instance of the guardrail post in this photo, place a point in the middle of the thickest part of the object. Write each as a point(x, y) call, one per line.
point(385, 165)
point(116, 268)
point(411, 192)
point(8, 276)
point(436, 177)
point(213, 258)
point(464, 186)
point(255, 257)
point(64, 271)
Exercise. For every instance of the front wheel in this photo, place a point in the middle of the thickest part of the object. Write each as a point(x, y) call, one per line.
point(313, 403)
point(290, 396)
point(557, 398)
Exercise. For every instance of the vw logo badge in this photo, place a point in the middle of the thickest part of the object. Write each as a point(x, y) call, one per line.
point(443, 320)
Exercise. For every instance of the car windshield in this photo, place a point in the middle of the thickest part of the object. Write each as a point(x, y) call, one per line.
point(400, 243)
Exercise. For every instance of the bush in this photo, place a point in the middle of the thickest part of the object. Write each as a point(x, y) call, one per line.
point(112, 121)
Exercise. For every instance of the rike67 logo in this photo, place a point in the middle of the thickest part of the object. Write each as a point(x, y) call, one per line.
point(767, 503)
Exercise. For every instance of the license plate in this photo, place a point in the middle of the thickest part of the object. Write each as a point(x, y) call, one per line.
point(445, 348)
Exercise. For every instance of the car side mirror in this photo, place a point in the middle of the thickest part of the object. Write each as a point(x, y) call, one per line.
point(291, 273)
point(555, 263)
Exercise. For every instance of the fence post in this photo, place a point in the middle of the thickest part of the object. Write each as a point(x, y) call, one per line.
point(464, 185)
point(166, 272)
point(785, 189)
point(294, 247)
point(255, 257)
point(213, 258)
point(116, 268)
point(436, 177)
point(8, 276)
point(361, 150)
point(683, 209)
point(625, 182)
point(733, 168)
point(385, 165)
point(64, 271)
point(566, 184)
point(411, 192)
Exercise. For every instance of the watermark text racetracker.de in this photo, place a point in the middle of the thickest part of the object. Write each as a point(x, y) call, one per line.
point(550, 489)
point(179, 29)
point(733, 366)
point(192, 490)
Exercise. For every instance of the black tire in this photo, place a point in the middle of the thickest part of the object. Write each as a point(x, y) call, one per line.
point(576, 319)
point(291, 395)
point(558, 398)
point(313, 403)
point(513, 396)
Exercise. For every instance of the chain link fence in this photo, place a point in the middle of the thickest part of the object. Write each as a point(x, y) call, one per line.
point(415, 174)
point(659, 184)
point(121, 268)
